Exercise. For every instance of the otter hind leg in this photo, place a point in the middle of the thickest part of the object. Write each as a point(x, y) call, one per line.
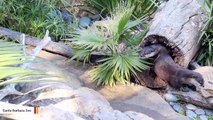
point(175, 83)
point(189, 86)
point(181, 84)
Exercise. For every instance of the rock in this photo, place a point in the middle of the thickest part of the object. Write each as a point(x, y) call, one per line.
point(66, 16)
point(49, 113)
point(177, 108)
point(131, 97)
point(44, 113)
point(137, 98)
point(134, 116)
point(172, 103)
point(206, 72)
point(200, 112)
point(209, 112)
point(191, 107)
point(87, 103)
point(170, 98)
point(91, 105)
point(79, 104)
point(203, 117)
point(119, 114)
point(84, 22)
point(191, 114)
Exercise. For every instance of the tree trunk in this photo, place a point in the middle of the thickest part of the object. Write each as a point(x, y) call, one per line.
point(54, 47)
point(178, 26)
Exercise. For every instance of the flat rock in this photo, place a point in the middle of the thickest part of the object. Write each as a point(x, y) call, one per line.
point(89, 104)
point(172, 103)
point(191, 107)
point(207, 90)
point(177, 108)
point(191, 114)
point(203, 117)
point(200, 112)
point(137, 98)
point(146, 101)
point(79, 104)
point(170, 97)
point(209, 112)
point(206, 72)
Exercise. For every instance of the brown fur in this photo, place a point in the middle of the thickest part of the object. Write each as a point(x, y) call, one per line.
point(165, 67)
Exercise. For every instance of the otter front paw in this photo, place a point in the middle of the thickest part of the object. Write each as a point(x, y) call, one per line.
point(199, 79)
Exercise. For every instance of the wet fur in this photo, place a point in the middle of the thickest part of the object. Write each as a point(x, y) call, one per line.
point(165, 67)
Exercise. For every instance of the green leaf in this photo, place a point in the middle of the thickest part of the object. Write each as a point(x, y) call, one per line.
point(111, 37)
point(11, 58)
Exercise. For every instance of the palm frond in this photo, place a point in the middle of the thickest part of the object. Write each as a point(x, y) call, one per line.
point(118, 68)
point(120, 16)
point(89, 39)
point(11, 58)
point(112, 38)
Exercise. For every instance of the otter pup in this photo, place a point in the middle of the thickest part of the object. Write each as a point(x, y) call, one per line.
point(166, 69)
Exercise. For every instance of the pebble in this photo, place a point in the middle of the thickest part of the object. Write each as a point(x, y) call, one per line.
point(170, 97)
point(172, 103)
point(169, 88)
point(177, 108)
point(203, 117)
point(191, 114)
point(84, 22)
point(209, 112)
point(66, 16)
point(191, 107)
point(200, 112)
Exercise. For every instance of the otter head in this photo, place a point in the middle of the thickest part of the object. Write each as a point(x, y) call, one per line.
point(152, 50)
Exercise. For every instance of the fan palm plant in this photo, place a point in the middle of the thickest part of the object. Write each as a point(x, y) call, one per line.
point(12, 57)
point(205, 56)
point(114, 39)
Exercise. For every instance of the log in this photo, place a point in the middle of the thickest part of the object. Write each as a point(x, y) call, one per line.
point(54, 47)
point(177, 26)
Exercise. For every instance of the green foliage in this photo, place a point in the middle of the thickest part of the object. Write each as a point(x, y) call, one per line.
point(11, 58)
point(205, 56)
point(142, 7)
point(182, 112)
point(113, 38)
point(210, 117)
point(196, 118)
point(34, 17)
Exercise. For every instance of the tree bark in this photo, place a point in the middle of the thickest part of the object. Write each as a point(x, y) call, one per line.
point(178, 26)
point(54, 47)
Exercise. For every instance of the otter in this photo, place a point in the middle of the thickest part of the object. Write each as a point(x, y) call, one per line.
point(166, 69)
